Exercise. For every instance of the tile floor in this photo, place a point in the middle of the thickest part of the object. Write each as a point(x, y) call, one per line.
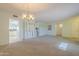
point(41, 46)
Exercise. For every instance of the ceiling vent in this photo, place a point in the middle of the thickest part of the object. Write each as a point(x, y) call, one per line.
point(15, 16)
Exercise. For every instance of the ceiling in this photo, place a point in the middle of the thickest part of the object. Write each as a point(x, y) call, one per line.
point(44, 11)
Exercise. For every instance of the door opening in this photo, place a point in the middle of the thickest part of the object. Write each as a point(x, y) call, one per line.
point(13, 30)
point(59, 29)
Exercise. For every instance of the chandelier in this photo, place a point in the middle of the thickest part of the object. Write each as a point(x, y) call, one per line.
point(28, 16)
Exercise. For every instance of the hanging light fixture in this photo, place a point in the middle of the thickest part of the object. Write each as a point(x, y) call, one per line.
point(28, 16)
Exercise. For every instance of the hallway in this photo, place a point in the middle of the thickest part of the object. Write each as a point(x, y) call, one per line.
point(42, 46)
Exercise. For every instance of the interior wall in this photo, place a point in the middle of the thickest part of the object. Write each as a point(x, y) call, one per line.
point(4, 28)
point(29, 29)
point(71, 27)
point(43, 29)
point(53, 29)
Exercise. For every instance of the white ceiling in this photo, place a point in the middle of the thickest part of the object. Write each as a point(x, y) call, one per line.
point(45, 11)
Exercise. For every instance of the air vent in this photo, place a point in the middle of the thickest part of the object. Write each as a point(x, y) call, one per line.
point(15, 16)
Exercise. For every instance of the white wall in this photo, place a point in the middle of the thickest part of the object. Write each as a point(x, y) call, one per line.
point(4, 28)
point(53, 30)
point(43, 29)
point(29, 29)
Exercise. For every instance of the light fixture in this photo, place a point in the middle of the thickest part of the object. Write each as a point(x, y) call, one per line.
point(28, 16)
point(23, 16)
point(60, 25)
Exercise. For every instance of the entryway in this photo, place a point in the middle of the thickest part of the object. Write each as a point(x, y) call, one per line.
point(14, 30)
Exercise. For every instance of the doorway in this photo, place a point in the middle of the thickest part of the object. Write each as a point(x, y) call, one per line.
point(14, 30)
point(59, 29)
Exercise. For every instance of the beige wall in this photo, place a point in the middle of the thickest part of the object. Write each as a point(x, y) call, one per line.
point(4, 19)
point(71, 27)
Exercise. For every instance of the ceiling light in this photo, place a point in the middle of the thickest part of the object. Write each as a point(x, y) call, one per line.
point(28, 16)
point(23, 16)
point(61, 25)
